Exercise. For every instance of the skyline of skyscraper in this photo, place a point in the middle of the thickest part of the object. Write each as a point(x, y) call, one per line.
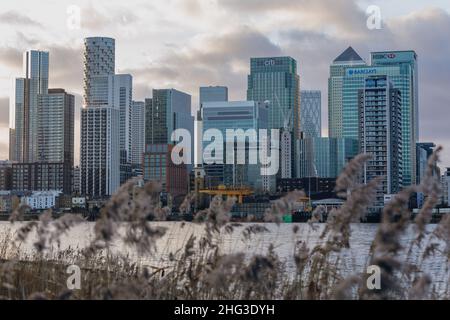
point(107, 115)
point(347, 75)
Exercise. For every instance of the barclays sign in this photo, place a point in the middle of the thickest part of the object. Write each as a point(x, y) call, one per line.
point(361, 72)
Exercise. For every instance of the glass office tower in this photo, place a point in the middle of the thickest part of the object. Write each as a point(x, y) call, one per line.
point(276, 79)
point(168, 110)
point(348, 59)
point(27, 89)
point(311, 113)
point(234, 115)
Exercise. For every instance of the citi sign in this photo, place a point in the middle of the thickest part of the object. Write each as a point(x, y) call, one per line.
point(357, 72)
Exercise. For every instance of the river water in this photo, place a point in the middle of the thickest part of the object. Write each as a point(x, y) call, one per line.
point(282, 236)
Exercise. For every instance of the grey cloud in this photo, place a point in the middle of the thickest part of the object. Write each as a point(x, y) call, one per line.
point(25, 41)
point(66, 67)
point(94, 19)
point(343, 15)
point(4, 112)
point(4, 149)
point(18, 19)
point(10, 57)
point(428, 33)
point(211, 62)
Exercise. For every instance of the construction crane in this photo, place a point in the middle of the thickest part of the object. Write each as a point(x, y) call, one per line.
point(306, 203)
point(222, 190)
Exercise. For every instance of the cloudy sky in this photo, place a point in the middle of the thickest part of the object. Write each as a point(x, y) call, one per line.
point(188, 43)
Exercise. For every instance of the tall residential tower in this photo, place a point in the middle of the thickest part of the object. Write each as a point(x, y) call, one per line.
point(380, 134)
point(100, 121)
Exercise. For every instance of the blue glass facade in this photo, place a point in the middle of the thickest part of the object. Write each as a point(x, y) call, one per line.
point(212, 94)
point(324, 157)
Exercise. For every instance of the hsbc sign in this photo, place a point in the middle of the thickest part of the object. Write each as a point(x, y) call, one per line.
point(385, 56)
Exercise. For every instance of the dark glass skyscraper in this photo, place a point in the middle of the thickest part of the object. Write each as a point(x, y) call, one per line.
point(169, 109)
point(276, 79)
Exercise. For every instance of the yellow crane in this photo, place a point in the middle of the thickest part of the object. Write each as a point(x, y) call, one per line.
point(306, 201)
point(222, 190)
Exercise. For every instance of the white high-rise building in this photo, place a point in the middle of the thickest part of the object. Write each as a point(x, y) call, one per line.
point(137, 132)
point(100, 120)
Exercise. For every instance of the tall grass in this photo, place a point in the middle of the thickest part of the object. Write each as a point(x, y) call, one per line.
point(203, 270)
